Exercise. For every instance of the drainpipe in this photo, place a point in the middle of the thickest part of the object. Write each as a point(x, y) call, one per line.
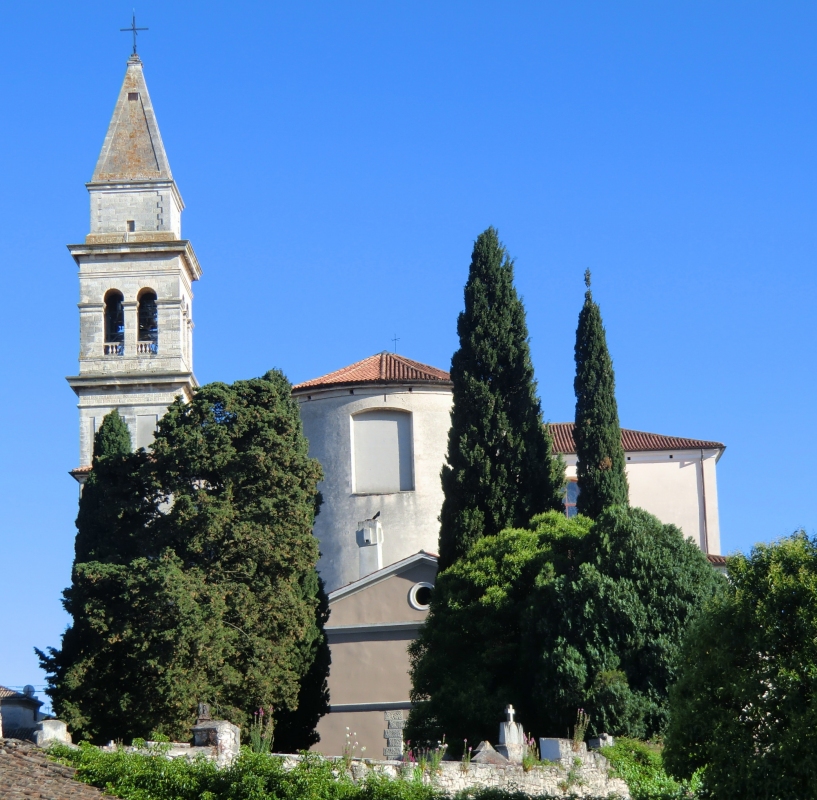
point(703, 498)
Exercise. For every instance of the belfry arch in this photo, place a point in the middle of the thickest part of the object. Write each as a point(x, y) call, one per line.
point(147, 320)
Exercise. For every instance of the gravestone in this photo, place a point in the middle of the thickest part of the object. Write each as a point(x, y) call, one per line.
point(511, 738)
point(51, 730)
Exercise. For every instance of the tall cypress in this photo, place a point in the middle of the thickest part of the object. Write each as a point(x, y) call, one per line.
point(600, 469)
point(500, 468)
point(112, 504)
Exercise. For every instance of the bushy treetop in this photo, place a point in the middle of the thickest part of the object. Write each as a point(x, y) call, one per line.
point(564, 615)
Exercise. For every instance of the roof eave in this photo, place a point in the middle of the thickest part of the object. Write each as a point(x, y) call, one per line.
point(300, 389)
point(380, 575)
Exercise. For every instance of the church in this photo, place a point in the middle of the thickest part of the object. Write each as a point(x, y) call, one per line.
point(379, 427)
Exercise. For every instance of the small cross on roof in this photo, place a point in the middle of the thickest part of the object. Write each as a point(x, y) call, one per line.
point(134, 30)
point(509, 712)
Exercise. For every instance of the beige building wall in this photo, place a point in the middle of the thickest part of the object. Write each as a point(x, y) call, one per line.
point(371, 623)
point(679, 487)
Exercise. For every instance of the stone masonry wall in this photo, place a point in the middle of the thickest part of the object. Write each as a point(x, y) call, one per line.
point(587, 774)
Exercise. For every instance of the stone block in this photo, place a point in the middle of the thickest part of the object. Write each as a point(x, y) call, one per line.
point(561, 749)
point(604, 740)
point(222, 735)
point(51, 730)
point(392, 752)
point(392, 715)
point(397, 723)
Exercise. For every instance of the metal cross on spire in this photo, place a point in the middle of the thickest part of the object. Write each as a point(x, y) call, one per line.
point(134, 30)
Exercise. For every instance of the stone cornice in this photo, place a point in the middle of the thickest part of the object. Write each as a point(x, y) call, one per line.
point(174, 247)
point(102, 379)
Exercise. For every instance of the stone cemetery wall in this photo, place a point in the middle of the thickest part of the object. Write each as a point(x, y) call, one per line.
point(580, 774)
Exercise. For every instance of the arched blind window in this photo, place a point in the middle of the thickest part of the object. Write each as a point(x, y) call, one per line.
point(382, 452)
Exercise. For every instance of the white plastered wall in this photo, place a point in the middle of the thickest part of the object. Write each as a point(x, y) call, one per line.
point(409, 518)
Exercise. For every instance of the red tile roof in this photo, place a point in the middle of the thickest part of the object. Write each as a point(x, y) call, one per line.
point(716, 561)
point(631, 441)
point(383, 367)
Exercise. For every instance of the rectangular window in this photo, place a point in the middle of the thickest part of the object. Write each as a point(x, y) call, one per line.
point(131, 226)
point(382, 452)
point(571, 495)
point(145, 429)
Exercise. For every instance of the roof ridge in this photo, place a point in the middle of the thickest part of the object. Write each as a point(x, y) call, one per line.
point(382, 367)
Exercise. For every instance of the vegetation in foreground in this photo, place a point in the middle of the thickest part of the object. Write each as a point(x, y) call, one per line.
point(641, 767)
point(743, 710)
point(253, 776)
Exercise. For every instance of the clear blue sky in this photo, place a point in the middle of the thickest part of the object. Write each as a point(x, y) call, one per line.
point(338, 160)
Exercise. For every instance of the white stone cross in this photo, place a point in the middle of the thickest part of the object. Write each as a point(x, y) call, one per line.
point(509, 712)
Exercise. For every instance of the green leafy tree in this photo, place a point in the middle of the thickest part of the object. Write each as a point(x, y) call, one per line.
point(568, 614)
point(743, 709)
point(204, 588)
point(500, 468)
point(600, 468)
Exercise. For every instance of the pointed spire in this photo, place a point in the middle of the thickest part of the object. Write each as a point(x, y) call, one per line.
point(133, 149)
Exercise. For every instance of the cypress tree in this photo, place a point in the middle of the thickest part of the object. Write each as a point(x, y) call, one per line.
point(500, 469)
point(195, 580)
point(600, 469)
point(112, 504)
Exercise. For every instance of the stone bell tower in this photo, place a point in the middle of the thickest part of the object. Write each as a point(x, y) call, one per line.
point(135, 279)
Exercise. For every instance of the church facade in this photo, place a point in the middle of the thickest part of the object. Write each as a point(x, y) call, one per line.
point(379, 427)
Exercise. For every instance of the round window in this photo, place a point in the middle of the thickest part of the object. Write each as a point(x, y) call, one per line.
point(420, 596)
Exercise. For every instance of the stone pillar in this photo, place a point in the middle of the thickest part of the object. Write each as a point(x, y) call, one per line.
point(222, 735)
point(131, 327)
point(393, 734)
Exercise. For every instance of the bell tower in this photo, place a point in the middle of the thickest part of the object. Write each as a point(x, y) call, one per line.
point(135, 279)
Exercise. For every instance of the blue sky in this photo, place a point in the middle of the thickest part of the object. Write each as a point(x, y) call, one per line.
point(338, 160)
